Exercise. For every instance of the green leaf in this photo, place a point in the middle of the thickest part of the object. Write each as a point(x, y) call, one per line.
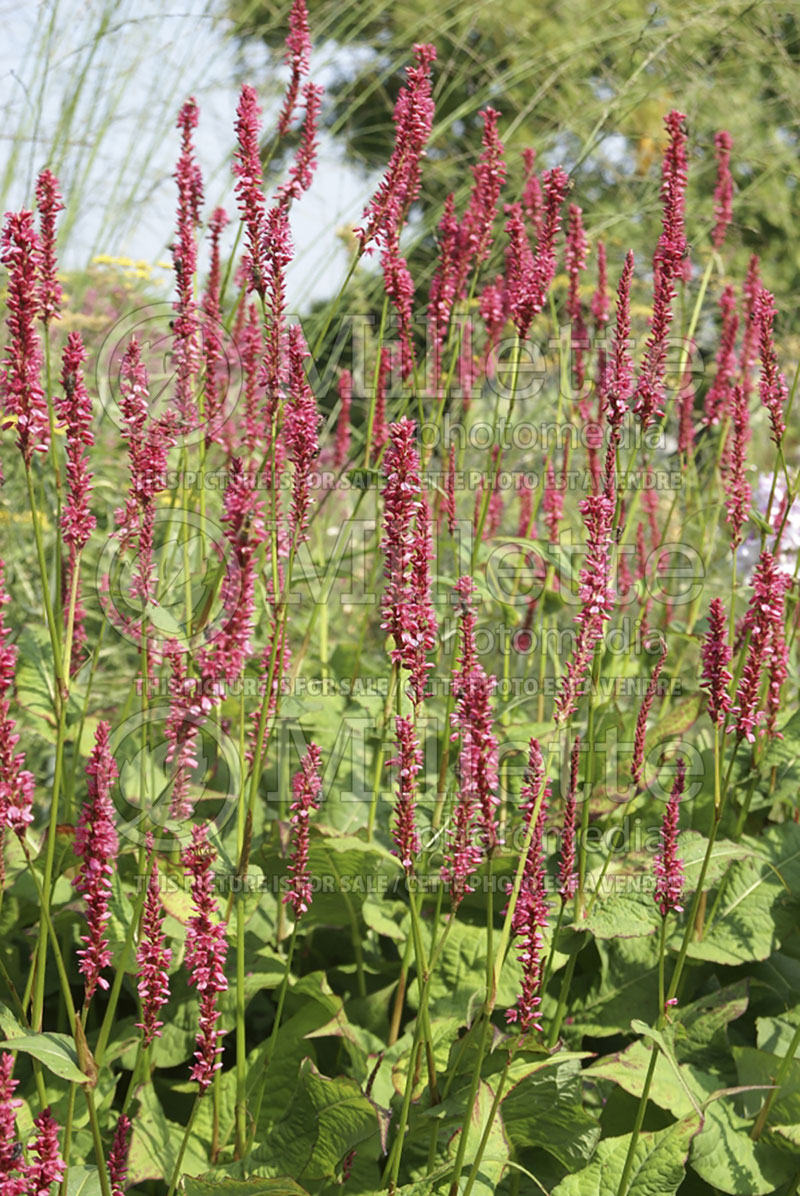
point(725, 1156)
point(750, 921)
point(156, 1141)
point(326, 1119)
point(83, 1181)
point(56, 1051)
point(495, 1156)
point(624, 916)
point(217, 1184)
point(542, 1107)
point(626, 983)
point(658, 1164)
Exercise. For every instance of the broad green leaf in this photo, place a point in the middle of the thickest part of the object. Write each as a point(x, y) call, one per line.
point(460, 974)
point(623, 915)
point(693, 848)
point(542, 1107)
point(627, 983)
point(750, 921)
point(217, 1184)
point(699, 1030)
point(325, 1120)
point(658, 1164)
point(156, 1141)
point(775, 1034)
point(56, 1051)
point(83, 1181)
point(677, 1088)
point(759, 1067)
point(495, 1156)
point(725, 1156)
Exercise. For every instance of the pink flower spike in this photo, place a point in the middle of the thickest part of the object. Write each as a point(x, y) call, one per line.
point(716, 655)
point(249, 194)
point(301, 433)
point(301, 172)
point(206, 948)
point(21, 395)
point(772, 385)
point(48, 203)
point(531, 910)
point(764, 613)
point(723, 192)
point(637, 763)
point(47, 1166)
point(737, 487)
point(118, 1157)
point(307, 790)
point(213, 352)
point(96, 843)
point(718, 397)
point(16, 781)
point(668, 867)
point(152, 956)
point(408, 763)
point(399, 188)
point(298, 54)
point(75, 413)
point(185, 326)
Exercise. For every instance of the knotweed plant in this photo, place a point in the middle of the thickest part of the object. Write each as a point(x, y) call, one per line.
point(398, 704)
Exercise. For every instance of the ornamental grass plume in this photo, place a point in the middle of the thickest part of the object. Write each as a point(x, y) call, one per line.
point(637, 764)
point(301, 429)
point(669, 265)
point(408, 763)
point(737, 487)
point(118, 1156)
point(307, 790)
point(772, 384)
point(567, 874)
point(249, 182)
point(185, 326)
point(16, 781)
point(206, 948)
point(667, 865)
point(48, 204)
point(298, 57)
point(718, 396)
point(723, 192)
point(716, 655)
point(597, 602)
point(342, 446)
point(764, 612)
point(97, 844)
point(531, 910)
point(21, 393)
point(152, 956)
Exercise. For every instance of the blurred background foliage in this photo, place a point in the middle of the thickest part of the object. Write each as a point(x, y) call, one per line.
point(587, 84)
